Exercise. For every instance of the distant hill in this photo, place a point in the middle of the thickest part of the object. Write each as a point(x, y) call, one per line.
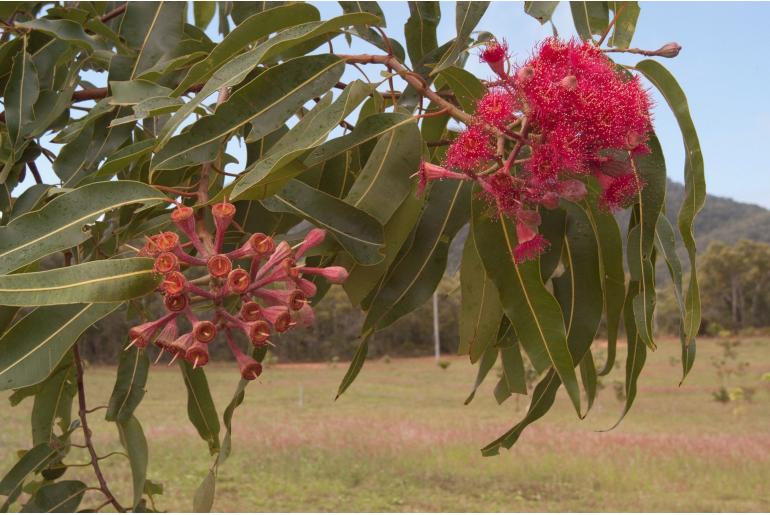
point(722, 218)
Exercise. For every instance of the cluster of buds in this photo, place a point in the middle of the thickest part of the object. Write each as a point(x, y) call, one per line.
point(257, 289)
point(565, 114)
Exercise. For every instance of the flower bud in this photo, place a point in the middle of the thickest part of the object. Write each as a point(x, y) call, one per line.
point(250, 368)
point(669, 50)
point(167, 241)
point(261, 243)
point(183, 217)
point(223, 214)
point(297, 300)
point(550, 200)
point(180, 345)
point(166, 262)
point(219, 265)
point(569, 83)
point(175, 303)
point(204, 331)
point(258, 332)
point(167, 335)
point(174, 283)
point(525, 73)
point(308, 287)
point(313, 238)
point(278, 316)
point(572, 190)
point(305, 317)
point(333, 274)
point(251, 311)
point(238, 281)
point(197, 354)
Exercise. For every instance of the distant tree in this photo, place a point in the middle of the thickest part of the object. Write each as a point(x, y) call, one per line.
point(735, 281)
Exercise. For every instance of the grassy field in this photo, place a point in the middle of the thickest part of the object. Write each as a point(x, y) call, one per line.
point(401, 440)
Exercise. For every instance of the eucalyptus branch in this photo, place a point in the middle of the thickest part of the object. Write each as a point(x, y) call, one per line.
point(82, 412)
point(669, 50)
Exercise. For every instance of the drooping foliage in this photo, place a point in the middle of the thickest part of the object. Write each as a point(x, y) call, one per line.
point(133, 197)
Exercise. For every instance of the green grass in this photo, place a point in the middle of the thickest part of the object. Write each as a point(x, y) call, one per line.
point(401, 440)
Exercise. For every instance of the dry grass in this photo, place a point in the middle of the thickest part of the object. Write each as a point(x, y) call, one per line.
point(401, 440)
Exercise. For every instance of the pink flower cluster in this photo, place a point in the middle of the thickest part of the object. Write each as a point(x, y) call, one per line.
point(567, 112)
point(268, 296)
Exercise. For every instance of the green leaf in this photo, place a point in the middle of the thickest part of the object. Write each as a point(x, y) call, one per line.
point(607, 234)
point(109, 280)
point(20, 96)
point(466, 87)
point(413, 277)
point(543, 397)
point(356, 364)
point(589, 17)
point(579, 288)
point(666, 245)
point(64, 496)
point(203, 13)
point(130, 381)
point(249, 30)
point(133, 441)
point(589, 378)
point(486, 363)
point(35, 344)
point(204, 495)
point(33, 460)
point(625, 25)
point(541, 11)
point(65, 30)
point(363, 279)
point(513, 379)
point(239, 67)
point(59, 225)
point(386, 173)
point(154, 29)
point(391, 46)
point(467, 16)
point(421, 28)
point(695, 186)
point(54, 401)
point(481, 311)
point(280, 164)
point(130, 92)
point(359, 233)
point(125, 156)
point(200, 405)
point(267, 102)
point(533, 311)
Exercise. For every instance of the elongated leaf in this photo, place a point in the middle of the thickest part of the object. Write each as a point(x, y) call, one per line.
point(154, 29)
point(589, 17)
point(543, 397)
point(481, 311)
point(204, 495)
point(130, 92)
point(467, 16)
point(589, 378)
point(533, 311)
point(200, 405)
point(267, 101)
point(33, 460)
point(486, 363)
point(466, 87)
point(65, 30)
point(513, 379)
point(133, 441)
point(130, 381)
point(607, 234)
point(249, 30)
point(413, 277)
point(386, 173)
point(34, 345)
point(625, 25)
point(59, 225)
point(203, 13)
point(579, 288)
point(541, 11)
point(20, 96)
point(356, 364)
point(420, 29)
point(359, 233)
point(267, 175)
point(362, 280)
point(695, 186)
point(97, 281)
point(52, 402)
point(64, 497)
point(666, 245)
point(238, 68)
point(125, 157)
point(370, 35)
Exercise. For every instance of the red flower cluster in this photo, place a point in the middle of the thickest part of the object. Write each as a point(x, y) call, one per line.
point(269, 296)
point(567, 113)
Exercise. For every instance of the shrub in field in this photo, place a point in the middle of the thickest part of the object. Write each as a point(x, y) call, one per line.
point(359, 183)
